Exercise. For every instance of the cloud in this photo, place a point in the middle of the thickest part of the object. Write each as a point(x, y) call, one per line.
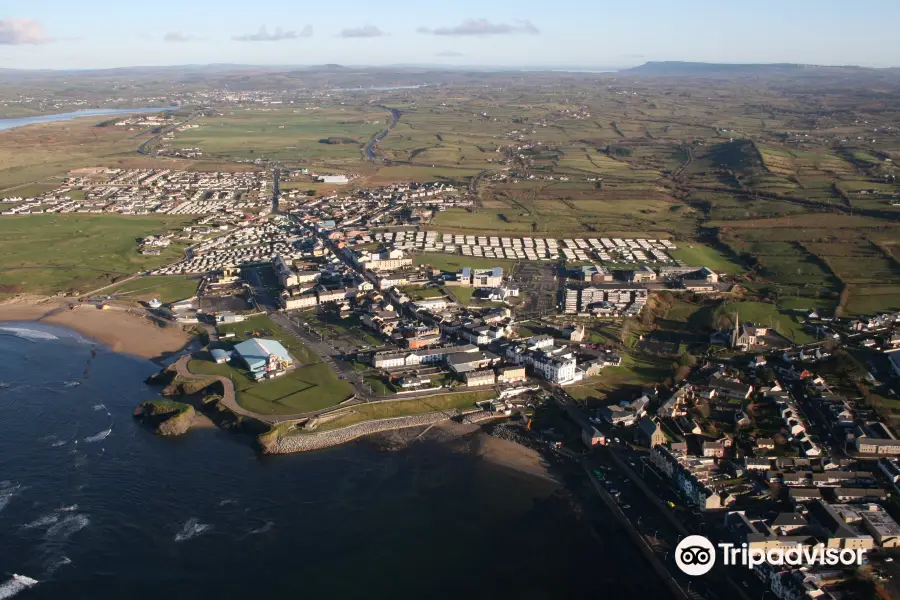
point(369, 31)
point(449, 53)
point(279, 34)
point(483, 27)
point(22, 31)
point(177, 36)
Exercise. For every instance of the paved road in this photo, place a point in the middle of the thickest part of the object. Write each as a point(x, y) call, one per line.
point(646, 497)
point(327, 352)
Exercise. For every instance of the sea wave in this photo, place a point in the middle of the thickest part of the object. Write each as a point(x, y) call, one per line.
point(53, 566)
point(191, 529)
point(28, 334)
point(16, 584)
point(71, 508)
point(58, 443)
point(99, 436)
point(99, 407)
point(71, 384)
point(69, 526)
point(7, 491)
point(264, 529)
point(44, 521)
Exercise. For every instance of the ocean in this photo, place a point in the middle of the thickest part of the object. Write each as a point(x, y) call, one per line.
point(93, 505)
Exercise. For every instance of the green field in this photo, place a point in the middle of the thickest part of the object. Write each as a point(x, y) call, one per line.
point(286, 133)
point(309, 387)
point(695, 255)
point(166, 288)
point(784, 322)
point(454, 262)
point(613, 383)
point(44, 254)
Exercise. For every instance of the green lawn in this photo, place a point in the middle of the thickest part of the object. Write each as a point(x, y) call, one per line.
point(311, 386)
point(454, 262)
point(304, 389)
point(43, 254)
point(419, 293)
point(697, 255)
point(462, 294)
point(167, 288)
point(768, 315)
point(633, 372)
point(402, 408)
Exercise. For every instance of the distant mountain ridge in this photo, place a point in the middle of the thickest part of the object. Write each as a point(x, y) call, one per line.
point(679, 68)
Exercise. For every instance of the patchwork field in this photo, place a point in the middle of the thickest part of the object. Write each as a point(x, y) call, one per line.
point(303, 134)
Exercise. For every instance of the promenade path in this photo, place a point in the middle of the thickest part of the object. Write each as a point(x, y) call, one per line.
point(229, 398)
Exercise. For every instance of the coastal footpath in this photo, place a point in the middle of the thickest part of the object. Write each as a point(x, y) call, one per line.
point(305, 442)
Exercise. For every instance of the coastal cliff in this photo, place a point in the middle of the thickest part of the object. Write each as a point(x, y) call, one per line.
point(167, 418)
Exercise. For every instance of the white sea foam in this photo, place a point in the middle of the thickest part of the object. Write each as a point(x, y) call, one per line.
point(98, 437)
point(70, 384)
point(191, 529)
point(58, 443)
point(71, 508)
point(53, 566)
point(99, 407)
point(28, 334)
point(7, 491)
point(265, 528)
point(14, 585)
point(44, 521)
point(227, 501)
point(69, 526)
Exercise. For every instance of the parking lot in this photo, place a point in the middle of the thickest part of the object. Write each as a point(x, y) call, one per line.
point(539, 284)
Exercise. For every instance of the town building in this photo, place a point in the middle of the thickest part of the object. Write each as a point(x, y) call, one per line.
point(650, 432)
point(511, 374)
point(479, 378)
point(263, 357)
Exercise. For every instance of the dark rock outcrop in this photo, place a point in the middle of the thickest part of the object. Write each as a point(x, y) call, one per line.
point(166, 417)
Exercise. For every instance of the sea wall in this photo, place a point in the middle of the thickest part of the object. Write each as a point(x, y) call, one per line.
point(306, 442)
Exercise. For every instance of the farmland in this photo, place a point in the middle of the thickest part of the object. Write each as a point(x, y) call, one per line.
point(749, 179)
point(331, 135)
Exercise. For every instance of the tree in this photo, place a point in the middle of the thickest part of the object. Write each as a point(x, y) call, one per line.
point(687, 360)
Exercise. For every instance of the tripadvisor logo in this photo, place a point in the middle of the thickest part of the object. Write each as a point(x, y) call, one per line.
point(695, 555)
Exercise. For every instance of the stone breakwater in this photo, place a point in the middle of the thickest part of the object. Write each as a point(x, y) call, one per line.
point(306, 442)
point(478, 417)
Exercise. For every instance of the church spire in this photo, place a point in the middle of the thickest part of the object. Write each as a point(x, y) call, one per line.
point(736, 332)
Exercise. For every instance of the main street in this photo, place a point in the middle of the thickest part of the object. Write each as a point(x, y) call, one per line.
point(646, 496)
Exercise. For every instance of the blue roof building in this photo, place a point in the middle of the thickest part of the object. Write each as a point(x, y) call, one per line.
point(219, 355)
point(259, 354)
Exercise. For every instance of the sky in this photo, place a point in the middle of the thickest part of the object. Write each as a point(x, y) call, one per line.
point(61, 34)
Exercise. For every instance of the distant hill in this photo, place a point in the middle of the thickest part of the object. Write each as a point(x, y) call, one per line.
point(785, 75)
point(678, 69)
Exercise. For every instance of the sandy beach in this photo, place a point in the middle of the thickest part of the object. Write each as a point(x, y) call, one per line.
point(121, 328)
point(495, 450)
